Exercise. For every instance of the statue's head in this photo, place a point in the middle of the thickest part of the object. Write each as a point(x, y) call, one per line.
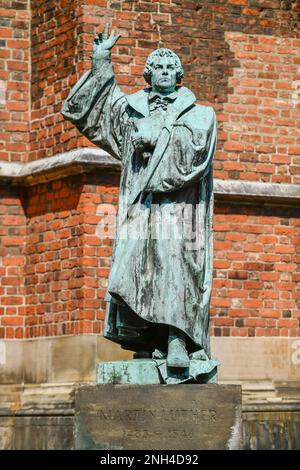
point(163, 70)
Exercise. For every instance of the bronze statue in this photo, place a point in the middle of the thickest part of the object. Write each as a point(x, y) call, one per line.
point(159, 288)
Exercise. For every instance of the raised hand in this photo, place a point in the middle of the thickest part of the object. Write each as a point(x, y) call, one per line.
point(103, 42)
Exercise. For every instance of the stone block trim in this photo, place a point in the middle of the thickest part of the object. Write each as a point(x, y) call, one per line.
point(87, 159)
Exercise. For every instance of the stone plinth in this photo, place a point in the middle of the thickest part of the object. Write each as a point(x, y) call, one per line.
point(155, 372)
point(166, 417)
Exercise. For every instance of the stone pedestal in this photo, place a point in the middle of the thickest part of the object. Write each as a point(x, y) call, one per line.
point(164, 417)
point(155, 372)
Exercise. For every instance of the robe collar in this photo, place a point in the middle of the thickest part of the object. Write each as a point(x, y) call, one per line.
point(139, 100)
point(154, 95)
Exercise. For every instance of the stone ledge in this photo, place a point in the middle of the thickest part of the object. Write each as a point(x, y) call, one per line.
point(54, 399)
point(37, 400)
point(65, 164)
point(267, 367)
point(255, 191)
point(85, 160)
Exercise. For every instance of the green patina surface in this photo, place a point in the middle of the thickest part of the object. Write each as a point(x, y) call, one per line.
point(154, 371)
point(161, 273)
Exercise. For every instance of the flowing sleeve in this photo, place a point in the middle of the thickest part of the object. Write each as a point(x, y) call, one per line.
point(188, 155)
point(97, 107)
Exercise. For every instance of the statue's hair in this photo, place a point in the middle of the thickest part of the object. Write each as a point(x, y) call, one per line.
point(163, 52)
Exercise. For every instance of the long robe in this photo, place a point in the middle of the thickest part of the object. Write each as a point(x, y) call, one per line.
point(155, 280)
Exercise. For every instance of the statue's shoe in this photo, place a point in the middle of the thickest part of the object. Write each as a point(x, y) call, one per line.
point(177, 355)
point(159, 354)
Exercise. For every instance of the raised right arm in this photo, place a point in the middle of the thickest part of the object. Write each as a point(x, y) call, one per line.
point(96, 104)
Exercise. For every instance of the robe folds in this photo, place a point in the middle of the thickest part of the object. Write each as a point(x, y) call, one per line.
point(161, 271)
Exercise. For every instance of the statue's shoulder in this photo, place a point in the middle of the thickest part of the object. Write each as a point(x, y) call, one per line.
point(200, 116)
point(200, 110)
point(139, 101)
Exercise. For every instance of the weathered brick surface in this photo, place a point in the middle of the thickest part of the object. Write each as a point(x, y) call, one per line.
point(257, 272)
point(239, 56)
point(14, 80)
point(55, 33)
point(261, 119)
point(67, 263)
point(12, 263)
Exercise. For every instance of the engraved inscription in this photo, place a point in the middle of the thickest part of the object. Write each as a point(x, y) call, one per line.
point(146, 433)
point(157, 417)
point(141, 415)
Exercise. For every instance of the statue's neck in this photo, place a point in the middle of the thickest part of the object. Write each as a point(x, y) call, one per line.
point(163, 92)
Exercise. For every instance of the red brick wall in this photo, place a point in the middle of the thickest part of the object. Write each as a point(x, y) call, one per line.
point(256, 278)
point(67, 264)
point(55, 32)
point(241, 56)
point(261, 119)
point(257, 271)
point(14, 80)
point(12, 263)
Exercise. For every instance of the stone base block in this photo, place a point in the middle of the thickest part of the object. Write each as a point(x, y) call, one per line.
point(164, 417)
point(36, 432)
point(155, 372)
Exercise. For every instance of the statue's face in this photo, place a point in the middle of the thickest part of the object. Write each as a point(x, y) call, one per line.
point(163, 77)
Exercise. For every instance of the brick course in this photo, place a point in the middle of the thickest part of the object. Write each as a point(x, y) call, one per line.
point(14, 80)
point(12, 263)
point(67, 264)
point(261, 119)
point(257, 271)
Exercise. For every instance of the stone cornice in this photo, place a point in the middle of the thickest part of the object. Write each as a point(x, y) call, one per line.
point(256, 192)
point(59, 166)
point(85, 160)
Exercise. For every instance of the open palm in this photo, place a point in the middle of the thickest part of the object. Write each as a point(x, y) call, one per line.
point(105, 41)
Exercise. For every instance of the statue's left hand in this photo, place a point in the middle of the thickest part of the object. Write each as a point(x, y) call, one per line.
point(146, 133)
point(141, 140)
